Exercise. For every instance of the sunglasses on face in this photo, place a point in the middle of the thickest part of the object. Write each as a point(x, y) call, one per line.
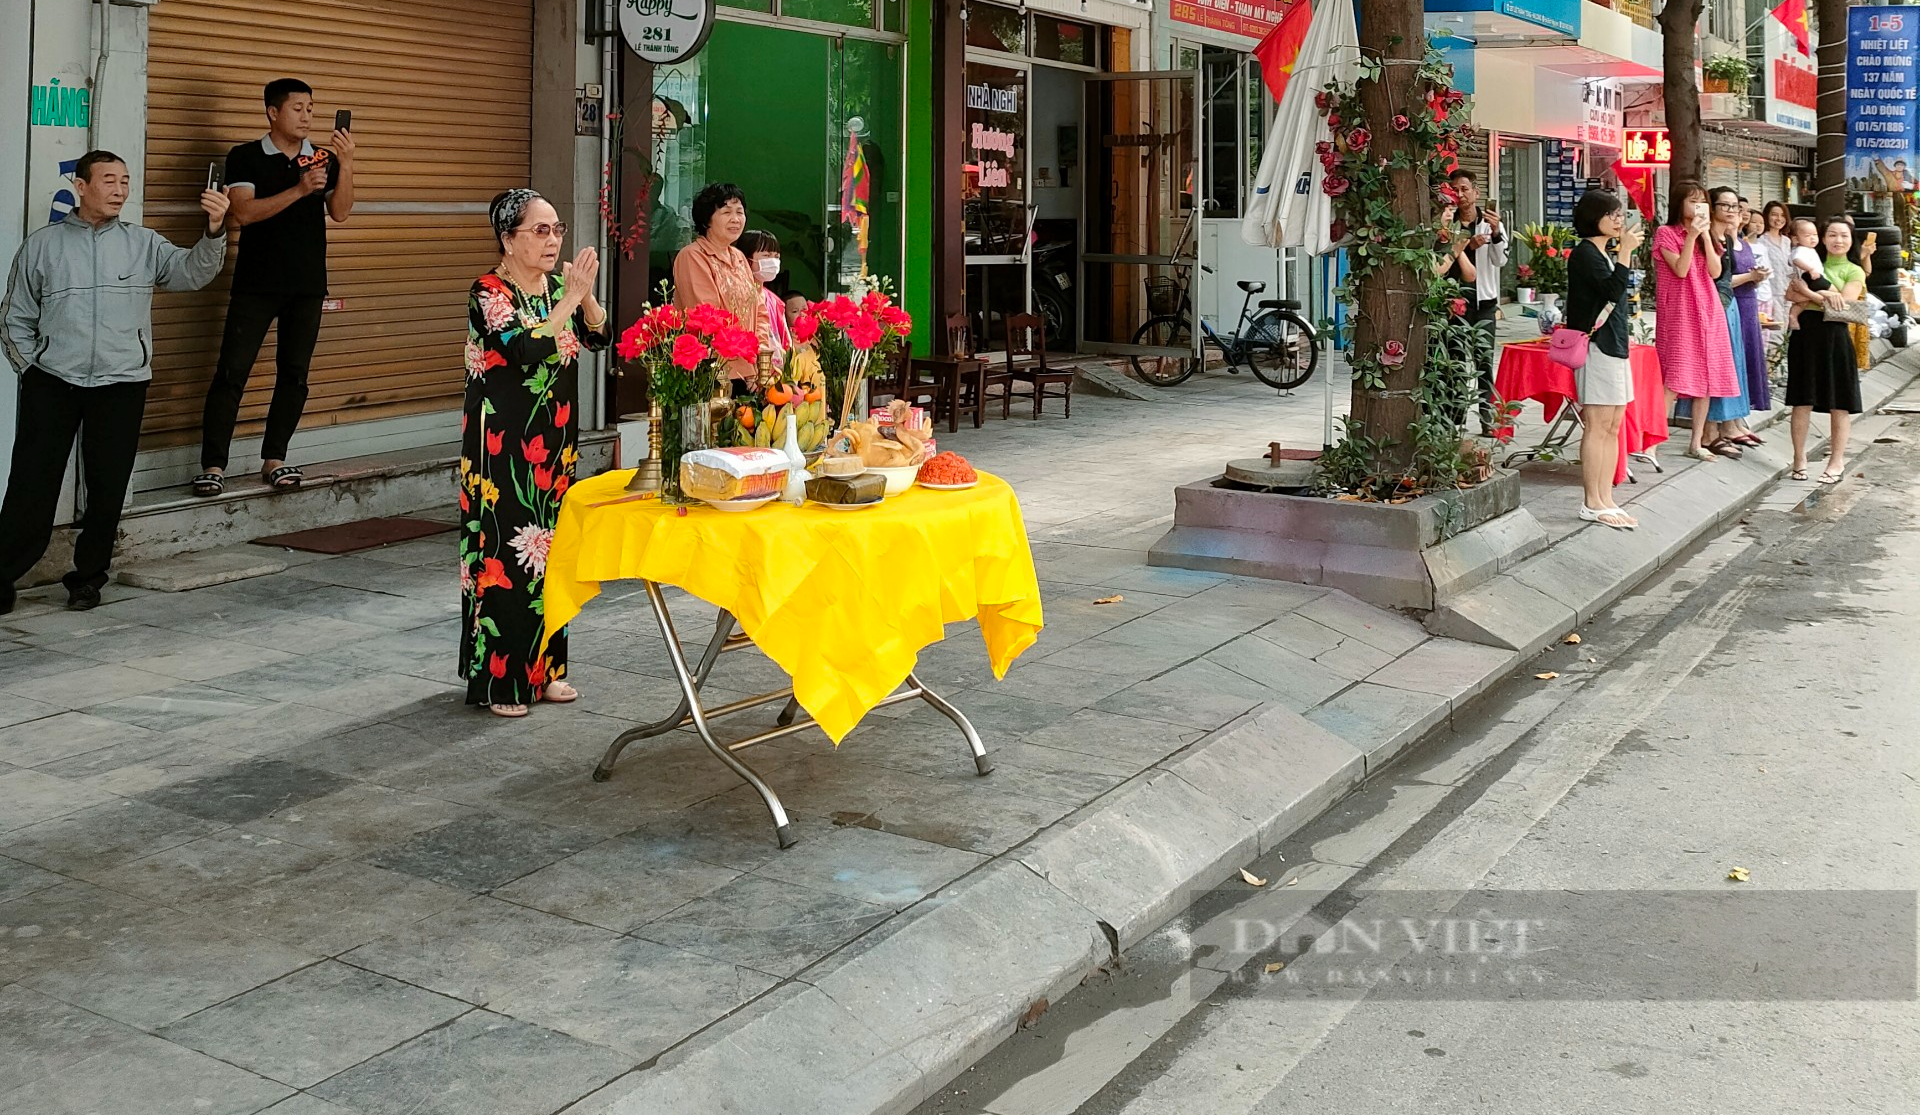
point(544, 231)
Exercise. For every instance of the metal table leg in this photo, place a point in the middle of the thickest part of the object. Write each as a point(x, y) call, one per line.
point(690, 710)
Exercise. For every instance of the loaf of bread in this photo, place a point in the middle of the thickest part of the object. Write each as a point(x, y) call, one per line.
point(735, 472)
point(866, 488)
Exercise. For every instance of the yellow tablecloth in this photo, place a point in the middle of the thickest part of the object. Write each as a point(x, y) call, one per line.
point(843, 601)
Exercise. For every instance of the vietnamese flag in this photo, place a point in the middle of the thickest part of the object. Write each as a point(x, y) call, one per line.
point(1637, 183)
point(1793, 13)
point(1281, 48)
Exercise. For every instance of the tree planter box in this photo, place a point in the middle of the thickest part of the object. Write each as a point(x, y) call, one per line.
point(1410, 555)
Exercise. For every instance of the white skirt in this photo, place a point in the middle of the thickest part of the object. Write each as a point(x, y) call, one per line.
point(1605, 381)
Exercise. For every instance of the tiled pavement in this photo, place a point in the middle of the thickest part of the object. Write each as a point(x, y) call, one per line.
point(254, 853)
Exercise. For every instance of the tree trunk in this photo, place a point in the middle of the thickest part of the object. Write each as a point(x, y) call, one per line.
point(1830, 151)
point(1387, 303)
point(1678, 52)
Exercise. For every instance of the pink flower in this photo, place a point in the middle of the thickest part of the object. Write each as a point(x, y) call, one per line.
point(840, 311)
point(864, 332)
point(1448, 195)
point(475, 354)
point(1393, 353)
point(1335, 185)
point(874, 302)
point(733, 343)
point(1329, 161)
point(1457, 307)
point(1337, 231)
point(806, 326)
point(567, 343)
point(530, 545)
point(1525, 272)
point(1322, 101)
point(637, 339)
point(708, 319)
point(897, 319)
point(1333, 121)
point(1359, 138)
point(496, 309)
point(688, 352)
point(1323, 148)
point(1400, 122)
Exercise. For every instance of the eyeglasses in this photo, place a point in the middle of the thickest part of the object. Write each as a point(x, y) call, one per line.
point(1726, 205)
point(544, 231)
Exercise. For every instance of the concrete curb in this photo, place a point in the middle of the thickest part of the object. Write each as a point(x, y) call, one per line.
point(1527, 607)
point(880, 1026)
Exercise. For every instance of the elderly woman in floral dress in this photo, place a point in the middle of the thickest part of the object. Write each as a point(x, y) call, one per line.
point(525, 329)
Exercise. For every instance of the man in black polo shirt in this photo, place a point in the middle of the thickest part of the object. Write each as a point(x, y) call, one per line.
point(283, 189)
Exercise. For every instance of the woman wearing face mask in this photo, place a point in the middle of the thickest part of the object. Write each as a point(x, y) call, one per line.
point(712, 269)
point(763, 251)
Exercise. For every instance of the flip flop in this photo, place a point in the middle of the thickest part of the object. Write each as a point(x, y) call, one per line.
point(1797, 474)
point(1832, 477)
point(1622, 521)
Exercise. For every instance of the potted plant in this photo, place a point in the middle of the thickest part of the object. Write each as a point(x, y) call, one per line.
point(1549, 247)
point(1726, 73)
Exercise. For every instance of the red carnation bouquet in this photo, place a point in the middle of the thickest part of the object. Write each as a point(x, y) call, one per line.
point(849, 332)
point(681, 352)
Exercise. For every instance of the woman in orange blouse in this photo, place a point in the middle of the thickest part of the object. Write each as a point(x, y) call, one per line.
point(712, 270)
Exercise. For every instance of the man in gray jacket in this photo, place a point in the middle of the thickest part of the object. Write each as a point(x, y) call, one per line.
point(78, 323)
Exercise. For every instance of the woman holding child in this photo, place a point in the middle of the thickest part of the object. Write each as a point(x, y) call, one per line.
point(1822, 374)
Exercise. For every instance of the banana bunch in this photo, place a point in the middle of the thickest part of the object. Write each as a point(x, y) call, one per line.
point(762, 426)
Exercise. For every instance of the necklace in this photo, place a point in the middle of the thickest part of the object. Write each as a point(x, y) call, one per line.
point(515, 283)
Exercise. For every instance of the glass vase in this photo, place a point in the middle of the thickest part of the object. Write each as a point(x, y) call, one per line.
point(691, 429)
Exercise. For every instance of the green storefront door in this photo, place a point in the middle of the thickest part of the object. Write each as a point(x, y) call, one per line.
point(770, 110)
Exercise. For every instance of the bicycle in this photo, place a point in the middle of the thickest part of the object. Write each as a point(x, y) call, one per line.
point(1276, 344)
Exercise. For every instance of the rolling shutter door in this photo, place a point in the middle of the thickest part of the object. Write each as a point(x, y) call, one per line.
point(440, 93)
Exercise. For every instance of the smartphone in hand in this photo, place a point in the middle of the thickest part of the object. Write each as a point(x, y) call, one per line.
point(343, 120)
point(216, 176)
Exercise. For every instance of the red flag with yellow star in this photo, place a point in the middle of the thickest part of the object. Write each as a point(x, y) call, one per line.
point(1281, 48)
point(1793, 13)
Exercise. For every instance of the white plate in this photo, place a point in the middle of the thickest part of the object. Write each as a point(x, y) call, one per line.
point(737, 505)
point(951, 487)
point(847, 506)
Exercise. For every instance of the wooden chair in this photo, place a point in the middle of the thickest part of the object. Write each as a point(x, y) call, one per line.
point(898, 381)
point(957, 378)
point(1027, 363)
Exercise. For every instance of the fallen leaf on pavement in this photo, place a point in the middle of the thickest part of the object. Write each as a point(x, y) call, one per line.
point(1252, 879)
point(1572, 640)
point(1763, 770)
point(1737, 875)
point(1548, 676)
point(1114, 599)
point(1272, 968)
point(1034, 1010)
point(1294, 882)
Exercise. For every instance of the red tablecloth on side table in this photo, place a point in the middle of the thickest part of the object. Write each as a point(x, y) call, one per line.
point(1526, 373)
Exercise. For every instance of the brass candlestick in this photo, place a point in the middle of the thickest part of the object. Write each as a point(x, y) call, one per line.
point(646, 478)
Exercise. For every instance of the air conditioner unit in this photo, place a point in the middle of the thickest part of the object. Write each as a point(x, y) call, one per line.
point(1723, 106)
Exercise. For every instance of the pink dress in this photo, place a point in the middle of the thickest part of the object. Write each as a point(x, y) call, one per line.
point(1690, 325)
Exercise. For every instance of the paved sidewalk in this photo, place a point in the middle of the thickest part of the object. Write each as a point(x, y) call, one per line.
point(254, 854)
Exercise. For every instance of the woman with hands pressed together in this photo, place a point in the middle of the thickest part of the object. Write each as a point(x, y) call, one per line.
point(518, 450)
point(1726, 418)
point(1696, 352)
point(1597, 284)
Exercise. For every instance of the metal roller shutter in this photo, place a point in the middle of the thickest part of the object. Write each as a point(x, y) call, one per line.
point(440, 93)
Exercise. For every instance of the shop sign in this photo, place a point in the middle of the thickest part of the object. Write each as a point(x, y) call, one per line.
point(666, 31)
point(1788, 82)
point(61, 106)
point(1645, 147)
point(994, 173)
point(1248, 18)
point(1555, 15)
point(1600, 111)
point(1883, 94)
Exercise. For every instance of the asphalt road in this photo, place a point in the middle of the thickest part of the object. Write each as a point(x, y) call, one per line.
point(1535, 914)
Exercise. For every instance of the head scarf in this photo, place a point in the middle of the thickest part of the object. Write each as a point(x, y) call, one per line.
point(508, 208)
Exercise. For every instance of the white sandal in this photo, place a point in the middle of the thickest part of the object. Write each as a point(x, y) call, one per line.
point(566, 693)
point(510, 712)
point(1622, 520)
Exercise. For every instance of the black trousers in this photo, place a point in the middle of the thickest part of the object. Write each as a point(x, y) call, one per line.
point(248, 316)
point(52, 410)
point(1484, 316)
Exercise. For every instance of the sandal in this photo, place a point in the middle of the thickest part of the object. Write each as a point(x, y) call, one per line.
point(285, 477)
point(559, 693)
point(1832, 477)
point(510, 712)
point(1702, 454)
point(1726, 448)
point(1608, 517)
point(1797, 474)
point(209, 484)
point(1748, 439)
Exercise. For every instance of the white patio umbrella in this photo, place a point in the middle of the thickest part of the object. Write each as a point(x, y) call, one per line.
point(1289, 210)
